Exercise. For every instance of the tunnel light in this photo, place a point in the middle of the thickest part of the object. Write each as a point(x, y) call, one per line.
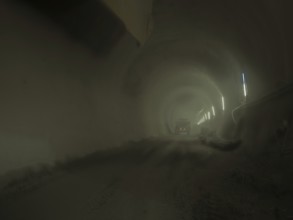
point(200, 121)
point(213, 110)
point(244, 85)
point(223, 103)
point(209, 115)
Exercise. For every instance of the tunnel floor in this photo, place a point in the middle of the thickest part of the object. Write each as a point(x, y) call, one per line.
point(156, 179)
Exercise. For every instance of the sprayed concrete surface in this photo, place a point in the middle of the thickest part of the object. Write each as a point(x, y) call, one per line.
point(156, 179)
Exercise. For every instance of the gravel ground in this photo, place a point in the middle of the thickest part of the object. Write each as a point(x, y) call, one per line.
point(156, 180)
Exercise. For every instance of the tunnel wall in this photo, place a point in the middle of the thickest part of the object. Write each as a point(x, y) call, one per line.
point(263, 123)
point(58, 99)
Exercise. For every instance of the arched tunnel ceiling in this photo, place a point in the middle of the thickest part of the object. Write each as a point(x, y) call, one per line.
point(249, 31)
point(199, 47)
point(217, 39)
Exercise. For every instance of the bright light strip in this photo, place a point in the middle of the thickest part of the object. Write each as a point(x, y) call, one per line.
point(214, 112)
point(209, 115)
point(201, 121)
point(223, 103)
point(244, 85)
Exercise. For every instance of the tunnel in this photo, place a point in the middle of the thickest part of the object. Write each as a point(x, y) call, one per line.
point(147, 109)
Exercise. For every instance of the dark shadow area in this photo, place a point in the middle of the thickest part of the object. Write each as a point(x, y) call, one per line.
point(88, 22)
